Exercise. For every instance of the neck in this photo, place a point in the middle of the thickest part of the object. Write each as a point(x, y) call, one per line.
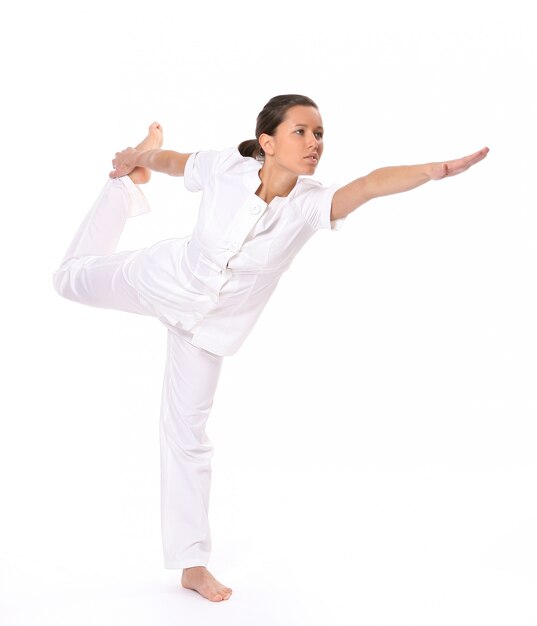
point(275, 183)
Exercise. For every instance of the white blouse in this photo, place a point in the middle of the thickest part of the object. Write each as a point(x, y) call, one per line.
point(216, 282)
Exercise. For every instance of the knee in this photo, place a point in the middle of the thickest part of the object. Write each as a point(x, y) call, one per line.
point(186, 441)
point(61, 279)
point(58, 280)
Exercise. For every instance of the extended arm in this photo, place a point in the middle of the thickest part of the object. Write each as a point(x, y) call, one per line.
point(395, 179)
point(165, 161)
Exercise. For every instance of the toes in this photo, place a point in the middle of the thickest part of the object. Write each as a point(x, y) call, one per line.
point(217, 598)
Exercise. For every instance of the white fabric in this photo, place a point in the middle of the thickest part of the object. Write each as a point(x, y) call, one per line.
point(91, 273)
point(208, 289)
point(190, 380)
point(216, 282)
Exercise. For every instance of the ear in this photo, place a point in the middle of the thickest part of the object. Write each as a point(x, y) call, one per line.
point(266, 142)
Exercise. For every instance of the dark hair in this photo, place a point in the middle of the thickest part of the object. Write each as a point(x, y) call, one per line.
point(269, 119)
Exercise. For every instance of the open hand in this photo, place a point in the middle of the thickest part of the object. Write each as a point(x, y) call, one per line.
point(456, 166)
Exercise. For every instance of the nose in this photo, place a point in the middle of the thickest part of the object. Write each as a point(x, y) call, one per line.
point(313, 142)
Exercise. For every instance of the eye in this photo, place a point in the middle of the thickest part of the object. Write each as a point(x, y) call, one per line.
point(318, 133)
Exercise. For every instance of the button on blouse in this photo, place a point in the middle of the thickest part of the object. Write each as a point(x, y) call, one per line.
point(219, 278)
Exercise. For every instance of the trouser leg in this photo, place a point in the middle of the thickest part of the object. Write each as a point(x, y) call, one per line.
point(91, 272)
point(190, 381)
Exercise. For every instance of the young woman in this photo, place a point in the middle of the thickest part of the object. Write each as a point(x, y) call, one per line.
point(257, 211)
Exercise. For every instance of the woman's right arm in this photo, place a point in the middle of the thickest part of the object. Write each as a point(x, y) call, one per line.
point(165, 161)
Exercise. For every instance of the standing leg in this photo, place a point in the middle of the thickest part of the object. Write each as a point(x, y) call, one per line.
point(190, 382)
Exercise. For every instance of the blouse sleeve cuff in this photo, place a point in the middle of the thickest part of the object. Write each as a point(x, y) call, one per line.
point(187, 174)
point(327, 222)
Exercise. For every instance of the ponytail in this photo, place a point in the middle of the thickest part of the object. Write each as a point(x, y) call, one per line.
point(251, 148)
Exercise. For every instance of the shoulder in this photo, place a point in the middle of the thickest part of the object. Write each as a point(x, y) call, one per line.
point(220, 156)
point(229, 154)
point(211, 160)
point(309, 183)
point(315, 202)
point(202, 165)
point(232, 158)
point(306, 189)
point(216, 156)
point(226, 157)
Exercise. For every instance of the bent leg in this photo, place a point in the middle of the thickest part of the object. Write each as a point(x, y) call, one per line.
point(91, 272)
point(190, 381)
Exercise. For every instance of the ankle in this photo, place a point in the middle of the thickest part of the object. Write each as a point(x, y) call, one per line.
point(194, 568)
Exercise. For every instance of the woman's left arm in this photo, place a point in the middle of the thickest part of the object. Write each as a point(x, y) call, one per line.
point(395, 179)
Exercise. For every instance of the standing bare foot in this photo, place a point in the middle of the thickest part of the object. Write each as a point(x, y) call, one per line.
point(154, 139)
point(201, 580)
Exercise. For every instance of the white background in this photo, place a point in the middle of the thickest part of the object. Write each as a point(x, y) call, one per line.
point(375, 437)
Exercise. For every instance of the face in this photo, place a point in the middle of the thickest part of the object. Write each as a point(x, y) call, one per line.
point(296, 138)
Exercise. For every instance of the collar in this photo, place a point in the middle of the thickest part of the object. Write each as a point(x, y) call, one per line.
point(252, 180)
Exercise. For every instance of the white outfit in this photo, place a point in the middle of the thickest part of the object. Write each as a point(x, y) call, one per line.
point(208, 289)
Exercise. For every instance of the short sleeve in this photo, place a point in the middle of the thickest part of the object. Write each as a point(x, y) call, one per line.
point(199, 168)
point(317, 204)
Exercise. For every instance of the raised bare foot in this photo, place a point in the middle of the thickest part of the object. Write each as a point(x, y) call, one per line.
point(201, 580)
point(154, 139)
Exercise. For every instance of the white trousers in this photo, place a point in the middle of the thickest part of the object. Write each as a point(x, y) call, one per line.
point(93, 273)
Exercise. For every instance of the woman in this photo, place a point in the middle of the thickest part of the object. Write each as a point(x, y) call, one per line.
point(208, 289)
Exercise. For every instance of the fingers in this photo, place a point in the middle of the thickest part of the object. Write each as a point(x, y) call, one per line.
point(457, 166)
point(476, 156)
point(120, 171)
point(122, 164)
point(481, 155)
point(117, 172)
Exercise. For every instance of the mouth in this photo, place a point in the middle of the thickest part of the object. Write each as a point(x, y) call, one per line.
point(313, 158)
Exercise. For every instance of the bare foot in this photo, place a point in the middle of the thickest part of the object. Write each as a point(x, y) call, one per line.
point(154, 139)
point(201, 580)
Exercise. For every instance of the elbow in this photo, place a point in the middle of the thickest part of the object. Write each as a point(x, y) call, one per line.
point(367, 189)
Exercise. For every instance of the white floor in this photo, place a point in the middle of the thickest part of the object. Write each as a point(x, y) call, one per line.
point(409, 548)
